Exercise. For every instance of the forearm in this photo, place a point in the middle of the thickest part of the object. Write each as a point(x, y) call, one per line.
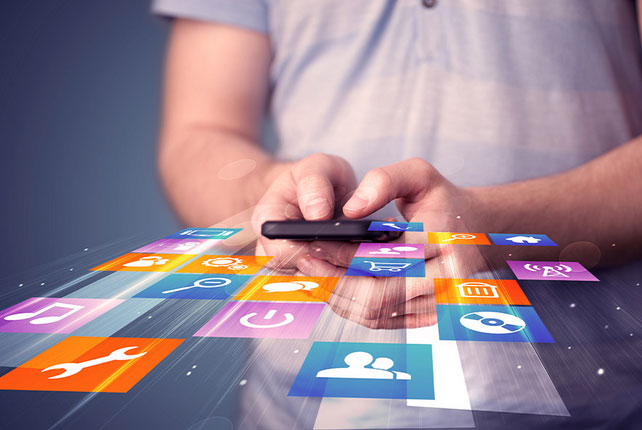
point(595, 206)
point(211, 174)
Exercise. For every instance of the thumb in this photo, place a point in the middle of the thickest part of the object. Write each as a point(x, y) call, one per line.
point(409, 179)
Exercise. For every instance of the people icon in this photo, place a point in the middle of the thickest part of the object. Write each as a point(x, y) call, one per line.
point(357, 362)
point(393, 251)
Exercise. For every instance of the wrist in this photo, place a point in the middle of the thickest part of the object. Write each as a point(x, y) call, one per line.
point(488, 213)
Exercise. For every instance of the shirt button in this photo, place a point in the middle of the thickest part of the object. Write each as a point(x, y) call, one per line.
point(429, 3)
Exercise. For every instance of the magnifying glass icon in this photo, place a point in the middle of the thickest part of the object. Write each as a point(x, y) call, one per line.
point(460, 236)
point(203, 283)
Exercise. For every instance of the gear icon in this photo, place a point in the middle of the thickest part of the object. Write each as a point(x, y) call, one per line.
point(228, 262)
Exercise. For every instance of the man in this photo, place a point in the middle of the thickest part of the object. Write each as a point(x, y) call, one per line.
point(537, 105)
point(474, 116)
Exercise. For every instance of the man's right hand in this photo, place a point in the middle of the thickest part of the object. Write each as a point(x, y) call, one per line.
point(315, 189)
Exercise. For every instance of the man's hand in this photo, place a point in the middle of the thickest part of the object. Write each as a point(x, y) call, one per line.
point(313, 189)
point(421, 195)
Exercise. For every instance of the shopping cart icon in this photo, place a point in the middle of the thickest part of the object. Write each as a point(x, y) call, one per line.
point(378, 266)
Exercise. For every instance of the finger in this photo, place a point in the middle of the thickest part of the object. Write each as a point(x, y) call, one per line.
point(321, 180)
point(284, 253)
point(370, 292)
point(339, 254)
point(422, 304)
point(278, 203)
point(312, 266)
point(409, 179)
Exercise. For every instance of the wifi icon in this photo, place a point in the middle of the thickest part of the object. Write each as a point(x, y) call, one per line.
point(551, 270)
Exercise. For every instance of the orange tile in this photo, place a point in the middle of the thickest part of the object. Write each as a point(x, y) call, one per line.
point(479, 292)
point(144, 262)
point(116, 376)
point(289, 289)
point(446, 238)
point(231, 264)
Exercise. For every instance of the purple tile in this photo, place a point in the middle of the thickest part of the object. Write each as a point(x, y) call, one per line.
point(177, 246)
point(53, 315)
point(263, 320)
point(391, 250)
point(551, 270)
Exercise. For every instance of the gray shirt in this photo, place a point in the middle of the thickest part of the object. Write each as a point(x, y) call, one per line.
point(489, 92)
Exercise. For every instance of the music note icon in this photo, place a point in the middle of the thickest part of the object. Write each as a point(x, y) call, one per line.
point(46, 319)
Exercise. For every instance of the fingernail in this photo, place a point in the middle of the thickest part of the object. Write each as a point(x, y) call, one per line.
point(317, 208)
point(319, 253)
point(304, 264)
point(357, 202)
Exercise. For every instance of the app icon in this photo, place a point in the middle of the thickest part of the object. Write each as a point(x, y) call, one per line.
point(195, 286)
point(53, 315)
point(139, 262)
point(391, 250)
point(551, 270)
point(479, 291)
point(90, 364)
point(366, 370)
point(177, 246)
point(491, 323)
point(205, 233)
point(263, 320)
point(395, 226)
point(289, 289)
point(521, 239)
point(232, 264)
point(458, 238)
point(405, 268)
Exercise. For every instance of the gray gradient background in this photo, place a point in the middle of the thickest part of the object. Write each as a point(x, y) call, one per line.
point(80, 89)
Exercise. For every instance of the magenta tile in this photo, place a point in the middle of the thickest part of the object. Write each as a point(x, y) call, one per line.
point(551, 270)
point(391, 250)
point(177, 246)
point(53, 315)
point(263, 320)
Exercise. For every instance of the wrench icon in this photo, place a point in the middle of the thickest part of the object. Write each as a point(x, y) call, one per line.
point(73, 368)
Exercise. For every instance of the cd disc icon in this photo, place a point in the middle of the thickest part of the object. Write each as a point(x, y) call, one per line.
point(492, 322)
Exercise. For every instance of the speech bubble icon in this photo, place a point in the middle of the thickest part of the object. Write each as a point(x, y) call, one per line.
point(281, 287)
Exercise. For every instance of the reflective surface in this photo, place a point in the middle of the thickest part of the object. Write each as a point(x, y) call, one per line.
point(590, 376)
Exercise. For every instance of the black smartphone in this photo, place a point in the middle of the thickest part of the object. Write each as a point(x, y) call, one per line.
point(348, 230)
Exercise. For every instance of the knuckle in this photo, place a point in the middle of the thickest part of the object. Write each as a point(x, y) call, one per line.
point(422, 167)
point(379, 178)
point(319, 158)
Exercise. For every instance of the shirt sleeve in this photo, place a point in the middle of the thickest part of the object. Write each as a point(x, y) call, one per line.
point(249, 14)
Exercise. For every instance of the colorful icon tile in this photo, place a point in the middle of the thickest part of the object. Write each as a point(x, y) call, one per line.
point(289, 289)
point(404, 268)
point(521, 239)
point(205, 233)
point(491, 323)
point(479, 291)
point(226, 264)
point(178, 246)
point(263, 320)
point(391, 250)
point(366, 370)
point(551, 270)
point(90, 364)
point(195, 286)
point(395, 226)
point(141, 262)
point(53, 315)
point(450, 238)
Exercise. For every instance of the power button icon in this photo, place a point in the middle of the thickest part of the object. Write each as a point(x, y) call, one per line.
point(269, 315)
